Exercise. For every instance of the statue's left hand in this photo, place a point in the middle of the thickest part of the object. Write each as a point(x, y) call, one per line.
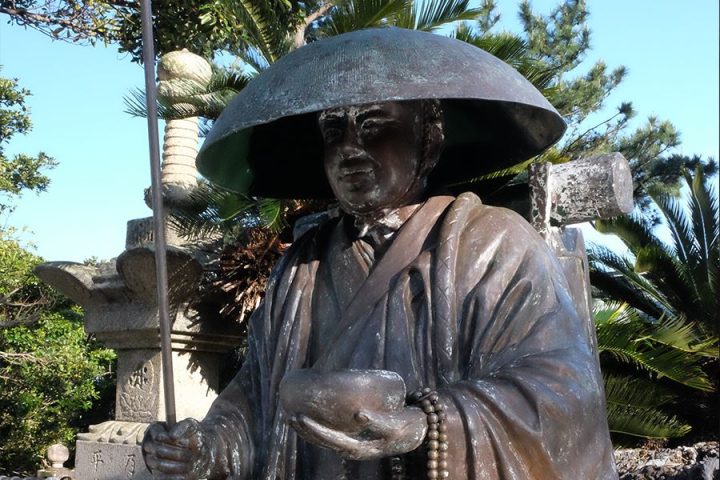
point(384, 434)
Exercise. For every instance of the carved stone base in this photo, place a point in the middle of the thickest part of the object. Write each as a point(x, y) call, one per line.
point(109, 461)
point(127, 433)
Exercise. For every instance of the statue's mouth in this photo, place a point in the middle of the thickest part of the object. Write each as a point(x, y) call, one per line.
point(348, 174)
point(357, 168)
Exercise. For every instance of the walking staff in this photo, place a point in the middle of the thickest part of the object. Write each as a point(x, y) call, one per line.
point(158, 213)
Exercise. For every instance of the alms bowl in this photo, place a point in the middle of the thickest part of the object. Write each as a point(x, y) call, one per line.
point(334, 399)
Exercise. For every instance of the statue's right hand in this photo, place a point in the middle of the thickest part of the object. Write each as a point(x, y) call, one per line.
point(178, 453)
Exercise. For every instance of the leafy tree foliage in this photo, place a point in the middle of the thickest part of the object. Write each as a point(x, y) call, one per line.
point(79, 22)
point(19, 172)
point(177, 23)
point(51, 374)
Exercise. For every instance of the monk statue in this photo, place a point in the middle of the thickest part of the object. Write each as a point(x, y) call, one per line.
point(415, 333)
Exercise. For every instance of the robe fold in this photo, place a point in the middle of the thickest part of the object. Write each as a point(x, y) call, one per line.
point(468, 300)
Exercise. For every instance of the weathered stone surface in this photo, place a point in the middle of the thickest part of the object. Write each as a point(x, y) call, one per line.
point(109, 461)
point(698, 462)
point(178, 71)
point(128, 433)
point(568, 246)
point(592, 188)
point(182, 65)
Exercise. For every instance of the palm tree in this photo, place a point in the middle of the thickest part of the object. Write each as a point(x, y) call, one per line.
point(667, 328)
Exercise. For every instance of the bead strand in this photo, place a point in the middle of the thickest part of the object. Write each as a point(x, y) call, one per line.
point(436, 440)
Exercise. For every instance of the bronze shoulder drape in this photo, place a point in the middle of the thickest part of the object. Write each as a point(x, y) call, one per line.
point(467, 300)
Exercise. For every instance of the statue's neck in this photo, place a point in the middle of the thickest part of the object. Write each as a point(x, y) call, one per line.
point(378, 227)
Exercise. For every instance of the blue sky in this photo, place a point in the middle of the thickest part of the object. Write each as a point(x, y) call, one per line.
point(670, 49)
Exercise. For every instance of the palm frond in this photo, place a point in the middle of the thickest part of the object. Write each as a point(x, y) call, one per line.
point(430, 16)
point(270, 212)
point(635, 391)
point(261, 25)
point(214, 211)
point(703, 204)
point(628, 339)
point(679, 224)
point(209, 213)
point(644, 422)
point(253, 58)
point(604, 312)
point(509, 172)
point(616, 276)
point(350, 15)
point(633, 409)
point(192, 99)
point(675, 332)
point(632, 231)
point(681, 334)
point(515, 51)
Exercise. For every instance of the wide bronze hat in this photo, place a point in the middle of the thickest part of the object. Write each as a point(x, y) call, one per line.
point(267, 141)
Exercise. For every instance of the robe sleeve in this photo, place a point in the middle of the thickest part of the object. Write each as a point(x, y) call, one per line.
point(230, 424)
point(524, 395)
point(248, 436)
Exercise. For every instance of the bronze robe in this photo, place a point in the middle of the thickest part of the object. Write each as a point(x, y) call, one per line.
point(467, 300)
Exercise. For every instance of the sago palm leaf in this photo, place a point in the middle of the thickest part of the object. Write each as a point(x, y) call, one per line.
point(258, 24)
point(644, 422)
point(616, 276)
point(682, 334)
point(703, 202)
point(516, 173)
point(604, 312)
point(676, 219)
point(635, 391)
point(633, 409)
point(674, 332)
point(672, 277)
point(629, 339)
point(631, 229)
point(704, 212)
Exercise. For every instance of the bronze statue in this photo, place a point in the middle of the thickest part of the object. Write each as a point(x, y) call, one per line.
point(416, 335)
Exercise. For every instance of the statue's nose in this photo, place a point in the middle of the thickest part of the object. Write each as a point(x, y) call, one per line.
point(352, 151)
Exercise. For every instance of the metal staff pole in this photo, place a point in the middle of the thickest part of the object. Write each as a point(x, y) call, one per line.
point(158, 213)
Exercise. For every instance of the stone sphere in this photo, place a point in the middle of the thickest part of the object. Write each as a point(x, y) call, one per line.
point(58, 454)
point(183, 65)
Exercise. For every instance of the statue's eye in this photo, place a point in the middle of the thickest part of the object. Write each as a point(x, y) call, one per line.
point(374, 127)
point(331, 134)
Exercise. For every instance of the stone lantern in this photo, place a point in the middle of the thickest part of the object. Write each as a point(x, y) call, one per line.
point(119, 300)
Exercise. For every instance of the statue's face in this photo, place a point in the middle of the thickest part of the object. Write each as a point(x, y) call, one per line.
point(373, 154)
